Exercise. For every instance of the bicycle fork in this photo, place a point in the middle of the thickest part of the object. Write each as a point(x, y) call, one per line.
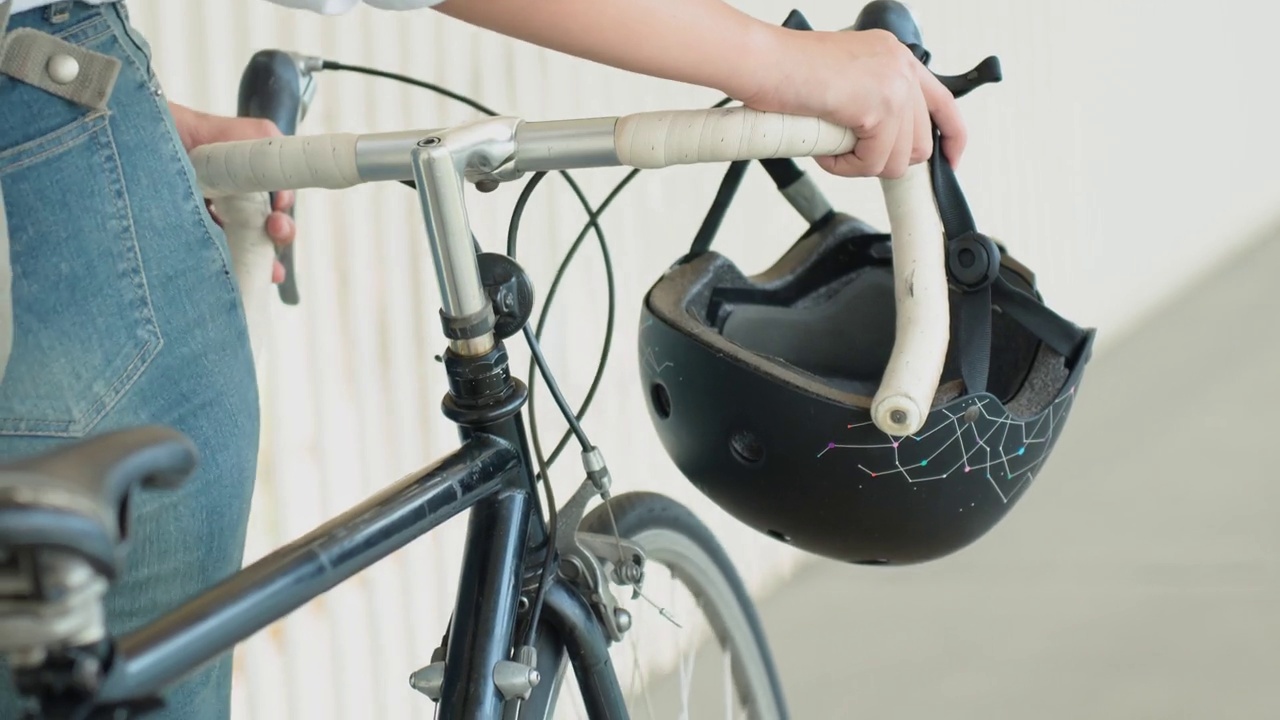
point(482, 671)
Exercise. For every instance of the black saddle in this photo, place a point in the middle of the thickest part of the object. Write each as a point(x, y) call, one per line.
point(76, 498)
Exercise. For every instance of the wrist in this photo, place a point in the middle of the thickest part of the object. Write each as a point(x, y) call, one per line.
point(768, 68)
point(756, 68)
point(178, 111)
point(182, 121)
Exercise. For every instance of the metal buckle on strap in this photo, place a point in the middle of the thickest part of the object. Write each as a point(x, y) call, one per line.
point(60, 68)
point(58, 12)
point(56, 66)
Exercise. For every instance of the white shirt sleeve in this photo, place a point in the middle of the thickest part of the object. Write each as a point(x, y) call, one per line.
point(338, 7)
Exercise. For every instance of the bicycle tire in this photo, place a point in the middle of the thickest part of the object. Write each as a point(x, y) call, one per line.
point(671, 534)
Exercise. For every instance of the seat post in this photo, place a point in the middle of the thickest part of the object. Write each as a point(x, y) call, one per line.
point(49, 599)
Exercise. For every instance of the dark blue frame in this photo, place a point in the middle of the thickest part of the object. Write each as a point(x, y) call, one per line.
point(488, 475)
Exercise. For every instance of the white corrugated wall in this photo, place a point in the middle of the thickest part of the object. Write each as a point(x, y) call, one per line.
point(1128, 147)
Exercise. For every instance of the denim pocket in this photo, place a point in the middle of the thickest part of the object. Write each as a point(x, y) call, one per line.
point(84, 329)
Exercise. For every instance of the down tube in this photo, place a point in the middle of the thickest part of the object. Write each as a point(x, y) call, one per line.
point(480, 634)
point(149, 659)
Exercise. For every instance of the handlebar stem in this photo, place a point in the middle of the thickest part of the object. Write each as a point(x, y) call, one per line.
point(441, 163)
point(542, 145)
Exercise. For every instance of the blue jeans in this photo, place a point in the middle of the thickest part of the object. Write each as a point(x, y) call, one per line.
point(126, 312)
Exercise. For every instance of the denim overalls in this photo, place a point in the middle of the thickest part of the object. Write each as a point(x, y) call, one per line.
point(120, 304)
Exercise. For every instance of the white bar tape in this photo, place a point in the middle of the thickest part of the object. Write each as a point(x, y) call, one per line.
point(283, 163)
point(237, 175)
point(685, 137)
point(923, 329)
point(244, 219)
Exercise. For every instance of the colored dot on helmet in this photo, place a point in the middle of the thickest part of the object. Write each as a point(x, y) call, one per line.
point(923, 463)
point(966, 468)
point(895, 443)
point(1022, 450)
point(831, 446)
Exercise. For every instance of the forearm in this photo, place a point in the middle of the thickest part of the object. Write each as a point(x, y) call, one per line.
point(662, 38)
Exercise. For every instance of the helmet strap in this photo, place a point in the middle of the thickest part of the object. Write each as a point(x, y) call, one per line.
point(973, 265)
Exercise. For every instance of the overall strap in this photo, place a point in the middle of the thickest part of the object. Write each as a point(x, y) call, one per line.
point(62, 69)
point(58, 67)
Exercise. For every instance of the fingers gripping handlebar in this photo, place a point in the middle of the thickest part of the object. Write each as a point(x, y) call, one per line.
point(643, 140)
point(647, 140)
point(923, 326)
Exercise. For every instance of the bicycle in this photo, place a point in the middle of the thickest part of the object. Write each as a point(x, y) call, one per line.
point(535, 594)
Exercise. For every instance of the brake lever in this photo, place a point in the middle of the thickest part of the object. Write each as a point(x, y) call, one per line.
point(280, 87)
point(986, 72)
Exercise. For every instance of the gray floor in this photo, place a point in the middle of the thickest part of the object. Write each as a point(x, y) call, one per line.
point(1138, 579)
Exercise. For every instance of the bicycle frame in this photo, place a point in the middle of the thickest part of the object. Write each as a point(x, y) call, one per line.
point(485, 475)
point(480, 474)
point(490, 474)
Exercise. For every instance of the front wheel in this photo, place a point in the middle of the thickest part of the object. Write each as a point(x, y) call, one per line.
point(696, 648)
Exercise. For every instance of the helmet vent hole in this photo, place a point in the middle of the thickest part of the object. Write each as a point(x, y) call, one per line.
point(746, 448)
point(661, 400)
point(778, 536)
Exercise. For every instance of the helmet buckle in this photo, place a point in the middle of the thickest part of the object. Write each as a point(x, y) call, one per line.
point(973, 261)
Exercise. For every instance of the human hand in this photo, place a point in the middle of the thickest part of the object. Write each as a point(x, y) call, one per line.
point(867, 81)
point(197, 128)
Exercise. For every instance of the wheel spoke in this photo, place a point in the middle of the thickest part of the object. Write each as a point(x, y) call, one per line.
point(672, 537)
point(637, 671)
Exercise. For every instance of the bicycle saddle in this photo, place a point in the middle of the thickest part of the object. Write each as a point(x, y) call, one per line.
point(75, 498)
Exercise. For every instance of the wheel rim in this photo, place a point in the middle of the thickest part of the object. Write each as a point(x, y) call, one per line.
point(748, 690)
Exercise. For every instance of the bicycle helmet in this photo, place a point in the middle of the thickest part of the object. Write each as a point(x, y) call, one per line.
point(760, 389)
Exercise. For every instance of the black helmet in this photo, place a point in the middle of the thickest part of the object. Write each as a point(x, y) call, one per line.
point(761, 387)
